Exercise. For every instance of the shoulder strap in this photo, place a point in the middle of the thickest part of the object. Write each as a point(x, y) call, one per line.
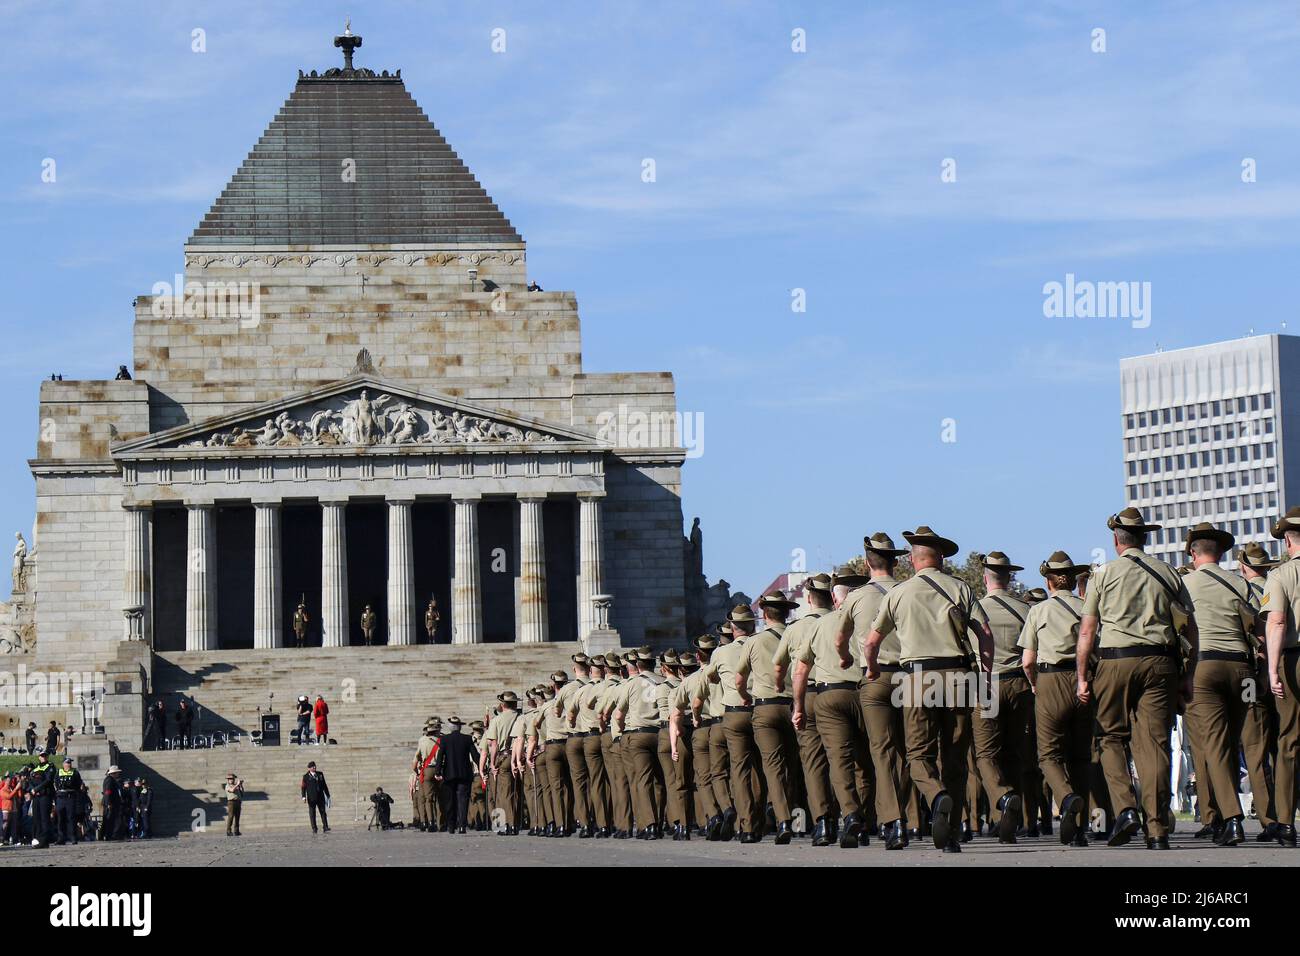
point(1011, 610)
point(879, 587)
point(1066, 604)
point(1226, 584)
point(1172, 591)
point(963, 643)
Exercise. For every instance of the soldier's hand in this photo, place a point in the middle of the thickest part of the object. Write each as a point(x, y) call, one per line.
point(797, 718)
point(1083, 692)
point(846, 659)
point(1275, 684)
point(674, 755)
point(873, 671)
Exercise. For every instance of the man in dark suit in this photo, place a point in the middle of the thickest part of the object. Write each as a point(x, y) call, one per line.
point(316, 794)
point(184, 723)
point(454, 769)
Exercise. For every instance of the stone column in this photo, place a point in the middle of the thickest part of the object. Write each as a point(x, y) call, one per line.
point(268, 586)
point(401, 573)
point(334, 574)
point(138, 581)
point(590, 556)
point(533, 619)
point(467, 581)
point(201, 577)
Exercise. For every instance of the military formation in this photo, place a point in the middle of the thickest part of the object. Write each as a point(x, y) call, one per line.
point(906, 708)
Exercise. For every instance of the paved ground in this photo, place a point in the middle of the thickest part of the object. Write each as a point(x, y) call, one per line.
point(356, 847)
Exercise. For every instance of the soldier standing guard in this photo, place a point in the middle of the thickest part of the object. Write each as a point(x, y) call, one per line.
point(1050, 640)
point(1001, 740)
point(896, 799)
point(431, 619)
point(1282, 602)
point(933, 613)
point(300, 621)
point(1258, 733)
point(368, 621)
point(774, 737)
point(1225, 612)
point(1135, 601)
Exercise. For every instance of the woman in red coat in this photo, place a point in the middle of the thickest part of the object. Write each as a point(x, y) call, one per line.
point(321, 712)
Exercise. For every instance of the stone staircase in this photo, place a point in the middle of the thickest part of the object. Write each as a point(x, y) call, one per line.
point(378, 697)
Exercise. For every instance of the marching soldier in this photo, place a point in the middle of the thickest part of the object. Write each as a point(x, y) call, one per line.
point(575, 757)
point(1001, 740)
point(478, 813)
point(520, 759)
point(1282, 602)
point(589, 732)
point(773, 727)
point(839, 711)
point(1258, 739)
point(1224, 677)
point(1050, 641)
point(693, 733)
point(425, 754)
point(676, 784)
point(681, 749)
point(883, 720)
point(812, 755)
point(611, 749)
point(1137, 602)
point(636, 714)
point(534, 762)
point(707, 710)
point(933, 614)
point(555, 735)
point(497, 756)
point(738, 727)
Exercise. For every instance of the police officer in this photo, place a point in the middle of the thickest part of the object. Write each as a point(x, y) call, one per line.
point(1282, 602)
point(41, 787)
point(1050, 640)
point(1001, 739)
point(896, 799)
point(839, 712)
point(935, 615)
point(812, 755)
point(67, 793)
point(1136, 601)
point(1258, 733)
point(773, 727)
point(738, 727)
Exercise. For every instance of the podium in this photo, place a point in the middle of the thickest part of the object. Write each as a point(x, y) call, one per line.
point(270, 730)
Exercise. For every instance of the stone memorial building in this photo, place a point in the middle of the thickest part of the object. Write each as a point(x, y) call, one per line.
point(355, 400)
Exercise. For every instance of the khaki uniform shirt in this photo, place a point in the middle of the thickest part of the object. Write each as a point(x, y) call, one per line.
point(1218, 622)
point(608, 702)
point(920, 615)
point(664, 696)
point(425, 748)
point(500, 730)
point(725, 665)
point(1131, 608)
point(1051, 631)
point(639, 701)
point(586, 702)
point(756, 663)
point(797, 634)
point(821, 656)
point(564, 700)
point(1282, 596)
point(1006, 628)
point(861, 606)
point(553, 727)
point(532, 723)
point(693, 686)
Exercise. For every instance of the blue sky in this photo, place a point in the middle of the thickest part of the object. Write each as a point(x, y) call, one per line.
point(775, 171)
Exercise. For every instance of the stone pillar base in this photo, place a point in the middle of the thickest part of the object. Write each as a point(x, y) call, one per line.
point(126, 681)
point(603, 640)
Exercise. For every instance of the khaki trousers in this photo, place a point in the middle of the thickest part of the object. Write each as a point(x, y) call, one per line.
point(1136, 699)
point(938, 735)
point(1288, 737)
point(558, 780)
point(812, 755)
point(779, 751)
point(1259, 744)
point(597, 780)
point(1215, 716)
point(1000, 743)
point(742, 754)
point(703, 771)
point(643, 748)
point(1064, 735)
point(677, 792)
point(620, 809)
point(839, 721)
point(507, 790)
point(575, 758)
point(545, 813)
point(429, 799)
point(888, 745)
point(720, 767)
point(478, 810)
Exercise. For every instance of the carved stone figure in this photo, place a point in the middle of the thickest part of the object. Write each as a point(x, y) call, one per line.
point(20, 563)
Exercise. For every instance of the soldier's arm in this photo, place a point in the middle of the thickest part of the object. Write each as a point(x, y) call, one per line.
point(800, 690)
point(1082, 653)
point(674, 730)
point(842, 638)
point(1276, 634)
point(871, 652)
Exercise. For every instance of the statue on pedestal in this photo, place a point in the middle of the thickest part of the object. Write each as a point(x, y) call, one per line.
point(431, 618)
point(368, 621)
point(300, 621)
point(20, 563)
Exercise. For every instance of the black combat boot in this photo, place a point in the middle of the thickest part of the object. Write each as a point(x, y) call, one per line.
point(784, 832)
point(895, 835)
point(1126, 824)
point(1286, 835)
point(1009, 822)
point(1233, 833)
point(749, 837)
point(820, 837)
point(1071, 807)
point(728, 825)
point(849, 836)
point(1268, 834)
point(1158, 843)
point(941, 820)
